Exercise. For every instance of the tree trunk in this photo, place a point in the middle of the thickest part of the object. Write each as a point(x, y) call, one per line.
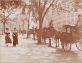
point(28, 24)
point(27, 34)
point(4, 27)
point(28, 30)
point(40, 32)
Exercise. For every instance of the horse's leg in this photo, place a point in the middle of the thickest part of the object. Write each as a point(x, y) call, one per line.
point(56, 42)
point(34, 36)
point(44, 40)
point(50, 42)
point(70, 46)
point(62, 45)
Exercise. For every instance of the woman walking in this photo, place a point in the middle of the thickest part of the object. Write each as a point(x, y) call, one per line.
point(7, 37)
point(15, 37)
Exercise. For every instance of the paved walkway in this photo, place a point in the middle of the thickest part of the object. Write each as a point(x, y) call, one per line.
point(29, 52)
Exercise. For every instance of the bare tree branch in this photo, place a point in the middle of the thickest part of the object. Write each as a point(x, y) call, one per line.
point(45, 2)
point(47, 9)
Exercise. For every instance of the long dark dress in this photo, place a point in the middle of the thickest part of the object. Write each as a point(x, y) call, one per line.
point(15, 38)
point(7, 37)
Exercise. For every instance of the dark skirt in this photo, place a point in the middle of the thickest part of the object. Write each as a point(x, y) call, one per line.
point(7, 39)
point(15, 40)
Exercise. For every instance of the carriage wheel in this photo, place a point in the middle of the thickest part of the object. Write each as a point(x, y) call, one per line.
point(79, 46)
point(67, 47)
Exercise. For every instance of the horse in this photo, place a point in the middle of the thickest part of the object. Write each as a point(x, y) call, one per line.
point(47, 32)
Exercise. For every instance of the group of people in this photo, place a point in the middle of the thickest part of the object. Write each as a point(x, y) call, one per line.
point(14, 37)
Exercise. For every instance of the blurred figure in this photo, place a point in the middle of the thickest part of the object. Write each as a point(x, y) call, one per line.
point(7, 37)
point(15, 37)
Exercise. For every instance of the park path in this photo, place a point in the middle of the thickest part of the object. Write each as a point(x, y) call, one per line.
point(29, 52)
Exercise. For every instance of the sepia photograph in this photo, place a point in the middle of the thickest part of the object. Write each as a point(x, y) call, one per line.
point(40, 31)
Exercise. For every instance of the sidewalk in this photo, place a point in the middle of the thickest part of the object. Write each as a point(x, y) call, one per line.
point(29, 52)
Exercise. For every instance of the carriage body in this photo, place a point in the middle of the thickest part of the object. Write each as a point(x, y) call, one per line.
point(70, 36)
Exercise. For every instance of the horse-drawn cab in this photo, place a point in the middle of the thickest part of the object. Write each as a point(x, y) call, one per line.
point(70, 36)
point(68, 28)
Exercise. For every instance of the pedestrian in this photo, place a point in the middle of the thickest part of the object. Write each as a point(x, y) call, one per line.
point(15, 37)
point(7, 37)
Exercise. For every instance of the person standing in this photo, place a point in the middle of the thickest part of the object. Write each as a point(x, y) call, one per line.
point(7, 37)
point(15, 37)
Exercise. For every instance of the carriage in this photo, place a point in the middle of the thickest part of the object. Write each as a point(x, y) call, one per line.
point(70, 36)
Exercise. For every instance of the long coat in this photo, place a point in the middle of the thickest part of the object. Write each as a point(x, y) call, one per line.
point(7, 37)
point(15, 38)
